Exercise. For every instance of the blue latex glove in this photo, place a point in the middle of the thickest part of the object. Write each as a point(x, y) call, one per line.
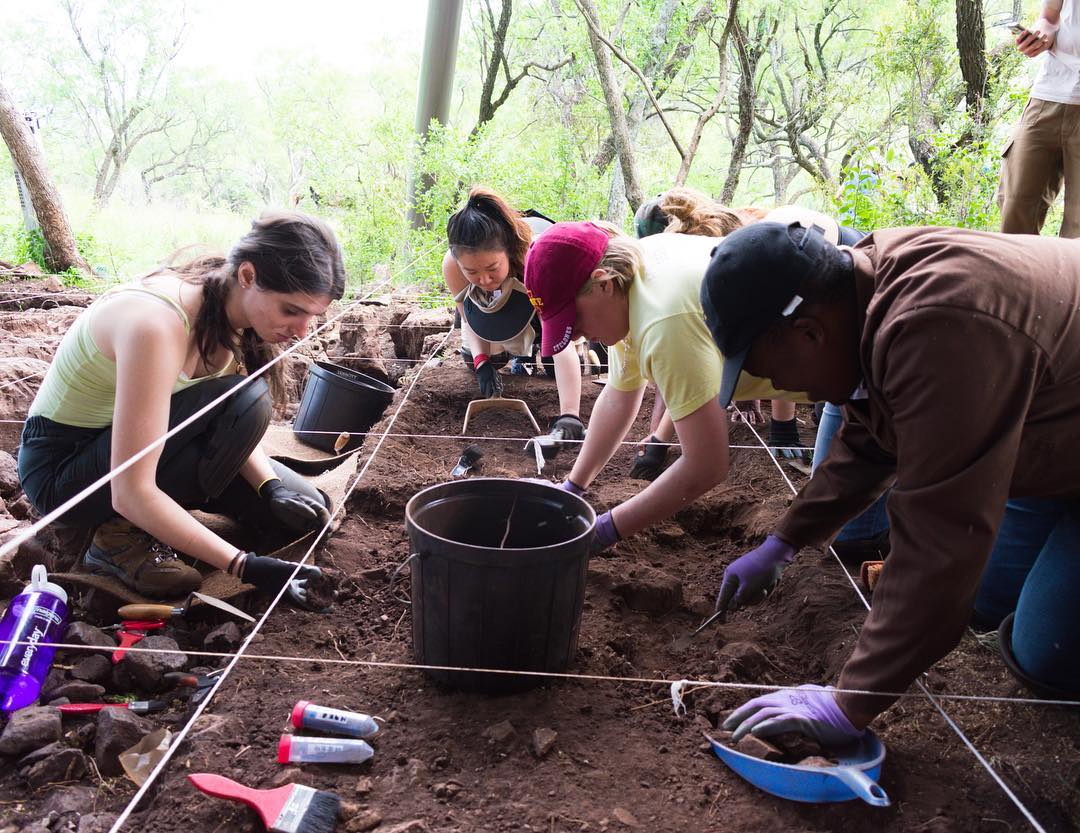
point(606, 533)
point(811, 710)
point(751, 577)
point(573, 488)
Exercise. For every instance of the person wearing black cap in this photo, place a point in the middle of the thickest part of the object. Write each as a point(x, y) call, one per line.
point(956, 356)
point(483, 270)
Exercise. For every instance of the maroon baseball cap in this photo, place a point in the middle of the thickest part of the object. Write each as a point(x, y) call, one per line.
point(557, 266)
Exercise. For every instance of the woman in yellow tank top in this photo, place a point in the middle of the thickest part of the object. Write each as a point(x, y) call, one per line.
point(147, 356)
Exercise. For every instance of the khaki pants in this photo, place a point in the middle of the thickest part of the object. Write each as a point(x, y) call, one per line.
point(1042, 156)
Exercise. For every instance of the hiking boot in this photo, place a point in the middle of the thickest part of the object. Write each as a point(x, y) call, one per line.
point(143, 563)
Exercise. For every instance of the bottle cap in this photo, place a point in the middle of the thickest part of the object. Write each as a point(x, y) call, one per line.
point(298, 713)
point(283, 750)
point(39, 583)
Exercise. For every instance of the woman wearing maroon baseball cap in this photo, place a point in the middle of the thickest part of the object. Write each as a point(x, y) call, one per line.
point(640, 298)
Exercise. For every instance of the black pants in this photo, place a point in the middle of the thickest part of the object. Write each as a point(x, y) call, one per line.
point(198, 466)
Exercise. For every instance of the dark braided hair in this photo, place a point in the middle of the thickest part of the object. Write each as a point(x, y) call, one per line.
point(488, 223)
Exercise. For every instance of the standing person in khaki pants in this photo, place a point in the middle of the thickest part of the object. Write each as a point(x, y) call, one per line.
point(1044, 152)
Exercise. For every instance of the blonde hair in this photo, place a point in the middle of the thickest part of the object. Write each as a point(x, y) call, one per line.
point(691, 212)
point(622, 259)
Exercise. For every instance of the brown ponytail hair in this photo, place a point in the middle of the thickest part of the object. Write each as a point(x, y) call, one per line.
point(691, 212)
point(291, 252)
point(487, 223)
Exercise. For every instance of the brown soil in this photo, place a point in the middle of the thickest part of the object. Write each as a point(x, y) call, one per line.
point(621, 759)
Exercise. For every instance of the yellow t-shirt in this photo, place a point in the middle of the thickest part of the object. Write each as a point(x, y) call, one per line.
point(668, 343)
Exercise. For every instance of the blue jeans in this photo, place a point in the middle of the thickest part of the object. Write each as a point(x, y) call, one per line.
point(873, 521)
point(1034, 570)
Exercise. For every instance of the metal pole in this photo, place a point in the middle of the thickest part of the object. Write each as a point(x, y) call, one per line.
point(436, 80)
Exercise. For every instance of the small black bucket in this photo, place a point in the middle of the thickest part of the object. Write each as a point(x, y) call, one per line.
point(338, 400)
point(485, 595)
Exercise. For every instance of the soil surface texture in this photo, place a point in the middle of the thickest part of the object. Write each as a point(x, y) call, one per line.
point(604, 751)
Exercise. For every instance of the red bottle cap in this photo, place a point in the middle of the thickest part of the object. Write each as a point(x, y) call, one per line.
point(284, 747)
point(298, 713)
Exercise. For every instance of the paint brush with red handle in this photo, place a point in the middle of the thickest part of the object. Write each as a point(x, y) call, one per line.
point(137, 706)
point(293, 808)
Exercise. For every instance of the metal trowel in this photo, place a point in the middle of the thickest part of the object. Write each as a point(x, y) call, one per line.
point(162, 611)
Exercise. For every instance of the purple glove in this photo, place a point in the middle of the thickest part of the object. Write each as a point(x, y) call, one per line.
point(573, 488)
point(751, 577)
point(606, 533)
point(809, 709)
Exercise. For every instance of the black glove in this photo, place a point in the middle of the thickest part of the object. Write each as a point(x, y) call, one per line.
point(295, 510)
point(488, 378)
point(649, 460)
point(785, 434)
point(269, 574)
point(565, 427)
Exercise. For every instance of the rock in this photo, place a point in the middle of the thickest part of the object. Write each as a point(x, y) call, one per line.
point(650, 590)
point(30, 269)
point(409, 335)
point(80, 633)
point(222, 639)
point(446, 789)
point(69, 800)
point(77, 691)
point(96, 823)
point(796, 746)
point(30, 729)
point(499, 734)
point(19, 380)
point(53, 284)
point(412, 826)
point(28, 760)
point(365, 344)
point(816, 760)
point(742, 660)
point(92, 669)
point(117, 731)
point(364, 820)
point(624, 816)
point(9, 475)
point(755, 747)
point(364, 786)
point(291, 775)
point(543, 741)
point(21, 508)
point(147, 668)
point(66, 765)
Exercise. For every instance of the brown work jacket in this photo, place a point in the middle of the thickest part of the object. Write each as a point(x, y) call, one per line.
point(970, 353)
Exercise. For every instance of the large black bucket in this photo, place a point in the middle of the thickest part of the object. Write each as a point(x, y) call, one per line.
point(338, 400)
point(479, 601)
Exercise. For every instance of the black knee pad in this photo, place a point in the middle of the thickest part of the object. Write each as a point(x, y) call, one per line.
point(232, 436)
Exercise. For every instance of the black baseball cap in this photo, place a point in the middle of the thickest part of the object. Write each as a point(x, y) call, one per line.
point(754, 277)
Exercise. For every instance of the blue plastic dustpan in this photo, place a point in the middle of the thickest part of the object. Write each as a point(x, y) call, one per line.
point(853, 777)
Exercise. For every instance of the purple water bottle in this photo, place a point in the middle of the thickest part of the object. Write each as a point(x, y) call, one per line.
point(36, 615)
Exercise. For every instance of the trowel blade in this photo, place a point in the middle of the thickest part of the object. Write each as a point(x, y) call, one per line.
point(220, 605)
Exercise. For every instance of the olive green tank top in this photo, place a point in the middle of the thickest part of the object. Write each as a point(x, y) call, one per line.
point(80, 386)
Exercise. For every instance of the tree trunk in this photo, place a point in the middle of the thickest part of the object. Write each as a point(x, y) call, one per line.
point(61, 252)
point(748, 57)
point(613, 97)
point(971, 45)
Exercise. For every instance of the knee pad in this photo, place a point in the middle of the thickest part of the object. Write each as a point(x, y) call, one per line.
point(232, 435)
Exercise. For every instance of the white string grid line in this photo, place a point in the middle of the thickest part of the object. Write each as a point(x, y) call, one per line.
point(564, 675)
point(922, 687)
point(16, 541)
point(12, 382)
point(453, 437)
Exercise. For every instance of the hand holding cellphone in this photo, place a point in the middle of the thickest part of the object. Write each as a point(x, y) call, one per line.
point(1017, 29)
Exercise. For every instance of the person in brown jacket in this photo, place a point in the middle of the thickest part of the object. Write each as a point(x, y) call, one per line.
point(956, 357)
